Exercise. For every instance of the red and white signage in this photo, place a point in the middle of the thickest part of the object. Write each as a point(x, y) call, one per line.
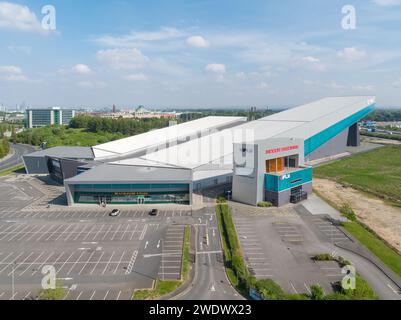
point(282, 149)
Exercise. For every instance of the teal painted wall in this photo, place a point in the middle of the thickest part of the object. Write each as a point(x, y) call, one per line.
point(322, 137)
point(291, 180)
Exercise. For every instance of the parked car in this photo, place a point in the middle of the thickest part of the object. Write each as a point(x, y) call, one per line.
point(115, 213)
point(154, 212)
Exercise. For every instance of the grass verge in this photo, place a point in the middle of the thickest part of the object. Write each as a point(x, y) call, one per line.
point(163, 287)
point(11, 170)
point(380, 248)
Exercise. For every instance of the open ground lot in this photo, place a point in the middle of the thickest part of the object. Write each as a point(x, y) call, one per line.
point(95, 256)
point(377, 172)
point(278, 244)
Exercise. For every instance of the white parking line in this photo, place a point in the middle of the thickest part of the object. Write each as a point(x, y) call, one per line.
point(98, 261)
point(119, 262)
point(76, 261)
point(115, 232)
point(31, 264)
point(97, 233)
point(65, 262)
point(40, 266)
point(105, 268)
point(92, 295)
point(86, 263)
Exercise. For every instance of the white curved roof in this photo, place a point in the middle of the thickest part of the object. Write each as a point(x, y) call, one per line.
point(156, 138)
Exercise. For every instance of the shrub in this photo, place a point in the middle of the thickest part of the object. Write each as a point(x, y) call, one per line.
point(347, 211)
point(362, 290)
point(317, 292)
point(270, 290)
point(323, 257)
point(265, 204)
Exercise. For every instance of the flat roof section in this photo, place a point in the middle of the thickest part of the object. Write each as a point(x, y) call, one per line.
point(65, 152)
point(115, 173)
point(159, 137)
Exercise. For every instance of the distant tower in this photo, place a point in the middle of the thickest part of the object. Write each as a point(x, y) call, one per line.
point(114, 108)
point(252, 114)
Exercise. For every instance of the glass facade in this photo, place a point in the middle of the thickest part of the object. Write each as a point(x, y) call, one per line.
point(46, 117)
point(131, 193)
point(67, 115)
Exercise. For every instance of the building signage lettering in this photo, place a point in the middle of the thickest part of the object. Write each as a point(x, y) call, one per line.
point(283, 149)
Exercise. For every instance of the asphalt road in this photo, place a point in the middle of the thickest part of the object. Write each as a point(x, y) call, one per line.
point(16, 158)
point(210, 281)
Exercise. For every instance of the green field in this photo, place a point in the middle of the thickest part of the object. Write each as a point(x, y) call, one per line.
point(377, 172)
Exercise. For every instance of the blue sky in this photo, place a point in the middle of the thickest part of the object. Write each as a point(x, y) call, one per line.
point(206, 53)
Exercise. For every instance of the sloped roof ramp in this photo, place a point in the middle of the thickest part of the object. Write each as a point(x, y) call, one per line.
point(157, 138)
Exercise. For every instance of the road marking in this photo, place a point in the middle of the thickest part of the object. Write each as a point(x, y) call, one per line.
point(34, 261)
point(87, 261)
point(92, 295)
point(392, 289)
point(105, 268)
point(76, 261)
point(143, 232)
point(132, 262)
point(118, 264)
point(100, 258)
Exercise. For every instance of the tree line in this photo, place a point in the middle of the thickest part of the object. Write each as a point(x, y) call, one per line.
point(123, 126)
point(4, 147)
point(384, 115)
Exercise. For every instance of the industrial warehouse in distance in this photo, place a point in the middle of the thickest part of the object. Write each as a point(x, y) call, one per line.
point(269, 159)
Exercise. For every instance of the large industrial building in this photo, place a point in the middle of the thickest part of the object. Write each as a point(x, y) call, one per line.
point(262, 160)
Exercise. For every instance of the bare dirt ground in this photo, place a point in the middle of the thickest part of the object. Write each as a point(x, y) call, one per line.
point(382, 218)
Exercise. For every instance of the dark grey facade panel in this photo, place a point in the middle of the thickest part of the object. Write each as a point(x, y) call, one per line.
point(35, 165)
point(282, 198)
point(354, 137)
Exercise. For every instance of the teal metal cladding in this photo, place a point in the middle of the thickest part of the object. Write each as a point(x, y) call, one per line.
point(278, 183)
point(322, 137)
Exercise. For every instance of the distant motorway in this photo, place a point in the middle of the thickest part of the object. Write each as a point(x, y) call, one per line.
point(16, 158)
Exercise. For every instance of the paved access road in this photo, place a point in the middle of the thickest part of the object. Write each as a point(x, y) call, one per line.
point(16, 158)
point(210, 281)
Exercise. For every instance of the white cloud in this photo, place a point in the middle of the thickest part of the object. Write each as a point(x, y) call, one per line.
point(134, 38)
point(81, 69)
point(91, 84)
point(136, 77)
point(263, 85)
point(363, 88)
point(20, 49)
point(197, 42)
point(351, 54)
point(241, 75)
point(216, 68)
point(12, 73)
point(18, 17)
point(123, 58)
point(310, 59)
point(10, 69)
point(387, 3)
point(397, 83)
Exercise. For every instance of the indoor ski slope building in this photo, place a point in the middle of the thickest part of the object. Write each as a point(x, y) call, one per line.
point(262, 160)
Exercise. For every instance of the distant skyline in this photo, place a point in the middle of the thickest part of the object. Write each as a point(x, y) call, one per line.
point(182, 54)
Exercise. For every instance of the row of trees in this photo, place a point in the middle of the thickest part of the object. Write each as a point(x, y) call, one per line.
point(4, 147)
point(382, 115)
point(120, 125)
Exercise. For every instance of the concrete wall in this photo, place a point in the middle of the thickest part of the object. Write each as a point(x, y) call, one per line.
point(35, 165)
